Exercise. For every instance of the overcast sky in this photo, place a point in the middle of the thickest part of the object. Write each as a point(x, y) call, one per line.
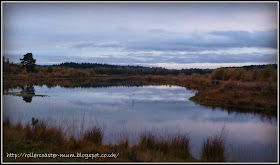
point(171, 35)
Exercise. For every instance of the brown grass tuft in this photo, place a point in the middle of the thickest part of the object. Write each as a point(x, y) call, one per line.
point(214, 148)
point(94, 136)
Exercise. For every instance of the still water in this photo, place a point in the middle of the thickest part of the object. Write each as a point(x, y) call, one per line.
point(124, 111)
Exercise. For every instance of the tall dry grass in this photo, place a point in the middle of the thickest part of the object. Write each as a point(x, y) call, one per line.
point(178, 144)
point(214, 148)
point(94, 136)
point(45, 138)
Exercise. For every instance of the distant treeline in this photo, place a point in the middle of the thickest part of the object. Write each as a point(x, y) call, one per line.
point(141, 70)
point(251, 67)
point(132, 70)
point(72, 69)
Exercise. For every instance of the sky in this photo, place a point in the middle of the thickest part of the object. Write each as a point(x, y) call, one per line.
point(170, 35)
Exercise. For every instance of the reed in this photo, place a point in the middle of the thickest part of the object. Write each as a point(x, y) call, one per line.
point(50, 139)
point(214, 148)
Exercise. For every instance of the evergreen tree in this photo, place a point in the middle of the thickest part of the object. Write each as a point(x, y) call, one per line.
point(29, 62)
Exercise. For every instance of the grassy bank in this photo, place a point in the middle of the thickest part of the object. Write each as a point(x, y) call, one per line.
point(242, 96)
point(42, 138)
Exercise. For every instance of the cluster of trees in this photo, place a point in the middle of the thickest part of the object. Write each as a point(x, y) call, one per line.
point(266, 73)
point(10, 67)
point(27, 64)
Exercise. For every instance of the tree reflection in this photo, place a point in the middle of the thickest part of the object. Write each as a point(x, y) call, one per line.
point(28, 92)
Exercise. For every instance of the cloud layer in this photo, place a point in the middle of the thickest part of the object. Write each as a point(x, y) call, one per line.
point(141, 33)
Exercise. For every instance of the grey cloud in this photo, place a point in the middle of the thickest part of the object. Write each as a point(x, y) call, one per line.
point(246, 39)
point(90, 44)
point(132, 58)
point(208, 41)
point(161, 40)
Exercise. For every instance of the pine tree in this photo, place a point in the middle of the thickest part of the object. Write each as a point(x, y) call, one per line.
point(29, 62)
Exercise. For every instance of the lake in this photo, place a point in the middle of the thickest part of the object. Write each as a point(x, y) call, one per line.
point(126, 111)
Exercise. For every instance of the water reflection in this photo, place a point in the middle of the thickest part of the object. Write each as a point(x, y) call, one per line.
point(105, 83)
point(81, 83)
point(28, 91)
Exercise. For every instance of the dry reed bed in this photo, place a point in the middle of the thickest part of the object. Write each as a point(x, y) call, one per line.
point(43, 138)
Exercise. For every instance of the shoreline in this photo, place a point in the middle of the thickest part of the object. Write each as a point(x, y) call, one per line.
point(230, 95)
